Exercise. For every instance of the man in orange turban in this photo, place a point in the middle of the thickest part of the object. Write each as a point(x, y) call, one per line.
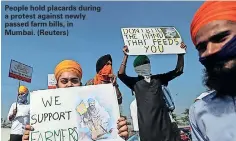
point(213, 31)
point(19, 114)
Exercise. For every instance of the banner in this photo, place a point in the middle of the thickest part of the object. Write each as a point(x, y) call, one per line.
point(20, 71)
point(51, 81)
point(154, 40)
point(84, 113)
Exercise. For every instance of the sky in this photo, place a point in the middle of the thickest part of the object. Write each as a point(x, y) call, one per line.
point(97, 35)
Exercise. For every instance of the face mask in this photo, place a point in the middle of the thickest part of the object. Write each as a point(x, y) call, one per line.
point(103, 75)
point(227, 52)
point(105, 72)
point(143, 70)
point(22, 99)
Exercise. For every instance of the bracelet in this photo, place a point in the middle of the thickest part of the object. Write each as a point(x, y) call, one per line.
point(123, 64)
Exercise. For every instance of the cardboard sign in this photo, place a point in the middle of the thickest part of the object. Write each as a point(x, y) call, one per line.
point(51, 81)
point(154, 40)
point(20, 71)
point(83, 113)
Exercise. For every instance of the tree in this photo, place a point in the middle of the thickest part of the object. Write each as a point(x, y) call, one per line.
point(186, 112)
point(185, 116)
point(175, 117)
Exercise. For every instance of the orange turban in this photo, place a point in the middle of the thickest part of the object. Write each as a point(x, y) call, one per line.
point(23, 90)
point(68, 66)
point(210, 11)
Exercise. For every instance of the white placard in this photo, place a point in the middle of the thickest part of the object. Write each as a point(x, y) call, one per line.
point(20, 71)
point(51, 81)
point(153, 40)
point(75, 114)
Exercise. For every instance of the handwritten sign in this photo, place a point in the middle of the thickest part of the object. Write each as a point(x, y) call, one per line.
point(84, 113)
point(51, 81)
point(155, 40)
point(20, 71)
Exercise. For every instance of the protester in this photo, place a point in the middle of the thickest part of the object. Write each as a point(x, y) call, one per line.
point(153, 117)
point(105, 75)
point(19, 114)
point(68, 73)
point(213, 31)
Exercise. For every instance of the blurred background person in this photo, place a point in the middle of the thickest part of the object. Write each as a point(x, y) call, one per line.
point(19, 114)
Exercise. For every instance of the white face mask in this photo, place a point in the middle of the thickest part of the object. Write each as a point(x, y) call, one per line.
point(143, 70)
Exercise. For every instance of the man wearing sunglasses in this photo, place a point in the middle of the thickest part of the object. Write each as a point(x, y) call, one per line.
point(19, 114)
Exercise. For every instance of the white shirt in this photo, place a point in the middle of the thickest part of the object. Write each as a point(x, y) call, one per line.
point(133, 111)
point(21, 119)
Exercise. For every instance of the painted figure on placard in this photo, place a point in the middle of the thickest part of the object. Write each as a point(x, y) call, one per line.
point(170, 33)
point(95, 118)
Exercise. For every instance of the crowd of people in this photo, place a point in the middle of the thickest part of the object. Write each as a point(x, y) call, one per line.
point(213, 114)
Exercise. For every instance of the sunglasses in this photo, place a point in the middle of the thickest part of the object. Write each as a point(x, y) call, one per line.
point(72, 80)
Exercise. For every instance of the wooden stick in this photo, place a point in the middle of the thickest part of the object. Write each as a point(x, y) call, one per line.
point(17, 95)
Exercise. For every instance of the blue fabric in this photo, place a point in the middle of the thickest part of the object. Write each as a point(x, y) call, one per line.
point(227, 52)
point(168, 99)
point(135, 137)
point(91, 100)
point(22, 99)
point(213, 119)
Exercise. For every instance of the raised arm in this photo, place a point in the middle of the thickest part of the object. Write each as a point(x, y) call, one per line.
point(124, 61)
point(128, 81)
point(166, 77)
point(180, 62)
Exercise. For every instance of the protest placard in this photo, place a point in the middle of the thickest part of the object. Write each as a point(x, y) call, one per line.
point(51, 81)
point(153, 40)
point(83, 113)
point(20, 71)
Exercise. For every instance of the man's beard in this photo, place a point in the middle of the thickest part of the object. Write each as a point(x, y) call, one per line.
point(223, 80)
